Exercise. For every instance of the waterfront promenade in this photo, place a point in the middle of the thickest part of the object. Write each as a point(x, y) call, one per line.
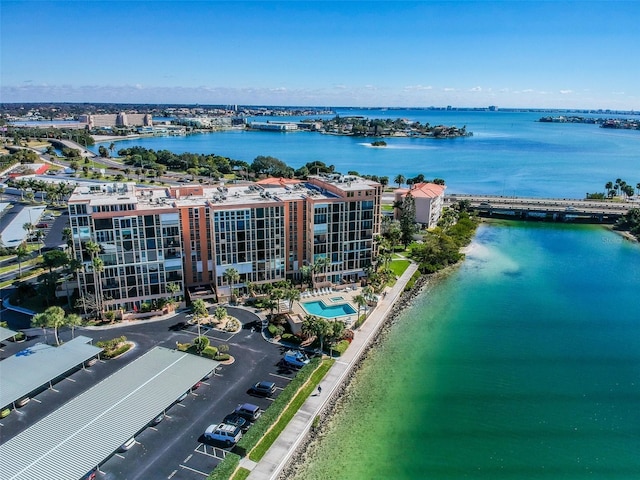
point(281, 452)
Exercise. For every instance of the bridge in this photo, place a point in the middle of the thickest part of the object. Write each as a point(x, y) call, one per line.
point(547, 209)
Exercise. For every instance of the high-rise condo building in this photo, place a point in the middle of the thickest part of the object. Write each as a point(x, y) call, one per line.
point(141, 244)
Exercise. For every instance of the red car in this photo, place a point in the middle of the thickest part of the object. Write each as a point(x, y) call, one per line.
point(42, 225)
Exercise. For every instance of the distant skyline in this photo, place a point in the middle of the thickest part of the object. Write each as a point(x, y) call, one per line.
point(541, 54)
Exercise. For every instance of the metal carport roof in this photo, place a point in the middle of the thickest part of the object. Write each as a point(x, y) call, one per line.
point(85, 431)
point(35, 366)
point(6, 333)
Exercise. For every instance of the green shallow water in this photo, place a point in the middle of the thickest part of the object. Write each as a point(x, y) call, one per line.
point(523, 363)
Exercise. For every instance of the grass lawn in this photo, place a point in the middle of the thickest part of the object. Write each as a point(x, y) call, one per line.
point(261, 448)
point(398, 267)
point(241, 474)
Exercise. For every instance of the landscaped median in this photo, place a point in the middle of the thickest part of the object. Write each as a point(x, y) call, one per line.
point(273, 421)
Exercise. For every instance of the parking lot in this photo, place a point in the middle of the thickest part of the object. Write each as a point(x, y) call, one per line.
point(174, 448)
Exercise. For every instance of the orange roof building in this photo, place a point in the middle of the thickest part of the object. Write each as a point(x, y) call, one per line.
point(429, 198)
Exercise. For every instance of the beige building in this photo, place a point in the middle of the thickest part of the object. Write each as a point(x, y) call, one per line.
point(121, 119)
point(190, 235)
point(429, 199)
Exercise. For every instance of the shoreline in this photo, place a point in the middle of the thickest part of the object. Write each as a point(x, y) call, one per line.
point(299, 455)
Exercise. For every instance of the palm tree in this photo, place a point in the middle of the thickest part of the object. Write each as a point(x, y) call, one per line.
point(200, 312)
point(220, 313)
point(98, 266)
point(361, 302)
point(21, 254)
point(40, 320)
point(28, 227)
point(52, 317)
point(39, 236)
point(321, 265)
point(231, 276)
point(293, 295)
point(73, 320)
point(112, 147)
point(399, 180)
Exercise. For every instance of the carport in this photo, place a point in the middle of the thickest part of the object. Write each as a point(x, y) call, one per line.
point(5, 334)
point(88, 429)
point(36, 366)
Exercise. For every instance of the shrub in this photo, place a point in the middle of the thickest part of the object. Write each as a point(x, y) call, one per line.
point(118, 351)
point(222, 357)
point(233, 324)
point(291, 338)
point(201, 343)
point(341, 346)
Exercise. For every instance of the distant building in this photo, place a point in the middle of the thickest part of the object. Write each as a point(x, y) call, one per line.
point(274, 126)
point(191, 235)
point(429, 198)
point(117, 120)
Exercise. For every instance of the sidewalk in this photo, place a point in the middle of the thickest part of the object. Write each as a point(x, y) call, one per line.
point(276, 458)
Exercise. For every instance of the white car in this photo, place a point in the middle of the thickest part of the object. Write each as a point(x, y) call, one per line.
point(224, 433)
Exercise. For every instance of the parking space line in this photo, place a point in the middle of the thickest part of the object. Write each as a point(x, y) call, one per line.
point(195, 471)
point(188, 458)
point(181, 405)
point(280, 376)
point(214, 449)
point(172, 474)
point(119, 456)
point(153, 428)
point(36, 400)
point(70, 379)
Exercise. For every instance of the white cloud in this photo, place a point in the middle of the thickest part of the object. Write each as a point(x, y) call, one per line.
point(417, 88)
point(566, 92)
point(475, 89)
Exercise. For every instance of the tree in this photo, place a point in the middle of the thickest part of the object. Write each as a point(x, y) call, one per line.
point(98, 266)
point(231, 276)
point(271, 167)
point(220, 313)
point(321, 265)
point(293, 295)
point(399, 180)
point(200, 312)
point(407, 219)
point(112, 147)
point(21, 254)
point(72, 321)
point(52, 317)
point(361, 302)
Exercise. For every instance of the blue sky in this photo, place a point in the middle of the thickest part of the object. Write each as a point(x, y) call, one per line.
point(350, 53)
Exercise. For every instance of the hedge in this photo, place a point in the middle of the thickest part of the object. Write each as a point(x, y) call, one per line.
point(341, 347)
point(412, 281)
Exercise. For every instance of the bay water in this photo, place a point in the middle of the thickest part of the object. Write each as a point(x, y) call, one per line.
point(522, 363)
point(508, 154)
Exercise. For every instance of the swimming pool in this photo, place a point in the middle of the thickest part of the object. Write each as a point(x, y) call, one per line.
point(320, 309)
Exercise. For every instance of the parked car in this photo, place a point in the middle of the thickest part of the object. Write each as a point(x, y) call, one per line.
point(295, 358)
point(248, 411)
point(264, 389)
point(42, 225)
point(182, 397)
point(224, 433)
point(127, 445)
point(48, 217)
point(196, 386)
point(91, 475)
point(237, 420)
point(157, 420)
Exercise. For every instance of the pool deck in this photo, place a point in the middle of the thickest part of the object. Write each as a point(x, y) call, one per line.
point(298, 312)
